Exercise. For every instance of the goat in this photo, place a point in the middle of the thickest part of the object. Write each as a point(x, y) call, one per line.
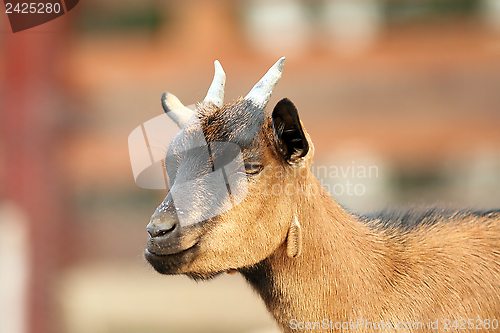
point(315, 265)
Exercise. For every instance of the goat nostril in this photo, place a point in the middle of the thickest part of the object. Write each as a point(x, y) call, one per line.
point(163, 232)
point(159, 231)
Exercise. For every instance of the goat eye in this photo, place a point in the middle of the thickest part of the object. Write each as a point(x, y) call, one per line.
point(253, 168)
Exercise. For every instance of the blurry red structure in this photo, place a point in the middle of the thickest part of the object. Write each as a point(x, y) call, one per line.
point(29, 133)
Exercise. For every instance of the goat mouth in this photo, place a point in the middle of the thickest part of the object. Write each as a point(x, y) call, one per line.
point(171, 263)
point(152, 253)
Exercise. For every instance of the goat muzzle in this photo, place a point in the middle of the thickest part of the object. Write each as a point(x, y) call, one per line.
point(167, 236)
point(162, 225)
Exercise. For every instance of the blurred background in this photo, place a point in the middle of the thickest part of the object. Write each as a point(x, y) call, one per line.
point(401, 99)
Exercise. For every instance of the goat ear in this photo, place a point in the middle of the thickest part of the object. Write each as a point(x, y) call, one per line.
point(288, 131)
point(294, 239)
point(175, 109)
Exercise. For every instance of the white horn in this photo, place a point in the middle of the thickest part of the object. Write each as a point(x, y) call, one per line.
point(262, 91)
point(175, 109)
point(216, 92)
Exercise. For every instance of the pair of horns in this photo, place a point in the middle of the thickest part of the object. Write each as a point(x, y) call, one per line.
point(259, 95)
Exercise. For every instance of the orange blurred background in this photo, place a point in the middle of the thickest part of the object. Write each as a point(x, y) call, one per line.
point(410, 88)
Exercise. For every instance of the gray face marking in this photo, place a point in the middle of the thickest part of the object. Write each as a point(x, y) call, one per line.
point(206, 171)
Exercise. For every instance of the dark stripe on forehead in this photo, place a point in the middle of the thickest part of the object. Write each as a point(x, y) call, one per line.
point(239, 122)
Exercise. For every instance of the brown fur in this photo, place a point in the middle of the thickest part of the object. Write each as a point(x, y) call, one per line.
point(334, 265)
